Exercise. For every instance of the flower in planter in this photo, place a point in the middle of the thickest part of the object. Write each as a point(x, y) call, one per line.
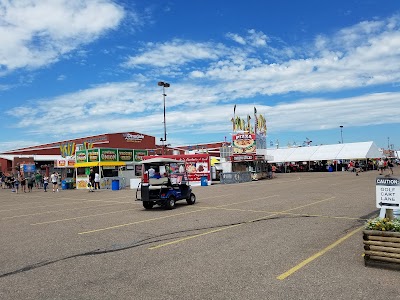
point(384, 224)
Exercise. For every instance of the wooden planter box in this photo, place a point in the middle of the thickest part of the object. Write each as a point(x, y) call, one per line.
point(382, 249)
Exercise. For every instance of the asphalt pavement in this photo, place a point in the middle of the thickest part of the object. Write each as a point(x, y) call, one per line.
point(298, 236)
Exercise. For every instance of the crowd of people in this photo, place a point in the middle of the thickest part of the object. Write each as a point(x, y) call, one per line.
point(20, 182)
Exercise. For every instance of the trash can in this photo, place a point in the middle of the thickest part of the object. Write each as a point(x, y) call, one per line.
point(203, 181)
point(115, 185)
point(64, 185)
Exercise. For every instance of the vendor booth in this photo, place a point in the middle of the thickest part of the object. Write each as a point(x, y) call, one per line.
point(110, 163)
point(65, 168)
point(197, 167)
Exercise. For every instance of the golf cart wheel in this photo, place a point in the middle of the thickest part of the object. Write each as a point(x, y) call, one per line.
point(170, 202)
point(148, 205)
point(192, 199)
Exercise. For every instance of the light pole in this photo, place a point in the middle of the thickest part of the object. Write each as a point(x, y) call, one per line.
point(164, 140)
point(341, 133)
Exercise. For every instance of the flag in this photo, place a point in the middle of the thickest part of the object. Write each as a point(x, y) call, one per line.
point(255, 110)
point(234, 109)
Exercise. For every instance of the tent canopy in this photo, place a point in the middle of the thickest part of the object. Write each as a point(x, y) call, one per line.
point(361, 150)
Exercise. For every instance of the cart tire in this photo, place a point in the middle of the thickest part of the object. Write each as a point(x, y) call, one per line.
point(170, 202)
point(192, 199)
point(148, 205)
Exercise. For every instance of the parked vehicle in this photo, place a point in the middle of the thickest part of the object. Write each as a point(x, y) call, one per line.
point(164, 181)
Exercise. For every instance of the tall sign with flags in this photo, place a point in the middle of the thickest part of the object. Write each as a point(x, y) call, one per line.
point(247, 137)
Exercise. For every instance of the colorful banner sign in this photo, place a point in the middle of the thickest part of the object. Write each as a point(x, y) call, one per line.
point(244, 143)
point(138, 155)
point(31, 168)
point(196, 165)
point(81, 156)
point(108, 154)
point(125, 155)
point(93, 155)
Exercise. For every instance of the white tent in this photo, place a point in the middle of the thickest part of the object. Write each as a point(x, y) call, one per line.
point(346, 151)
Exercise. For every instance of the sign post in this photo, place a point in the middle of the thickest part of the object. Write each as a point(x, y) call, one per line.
point(387, 195)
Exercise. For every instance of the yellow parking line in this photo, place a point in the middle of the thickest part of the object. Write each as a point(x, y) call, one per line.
point(59, 204)
point(82, 217)
point(193, 236)
point(316, 255)
point(250, 221)
point(55, 211)
point(143, 221)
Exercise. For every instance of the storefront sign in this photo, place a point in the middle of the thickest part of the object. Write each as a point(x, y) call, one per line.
point(81, 156)
point(125, 155)
point(135, 138)
point(196, 165)
point(108, 155)
point(93, 155)
point(64, 163)
point(29, 168)
point(244, 143)
point(138, 154)
point(61, 163)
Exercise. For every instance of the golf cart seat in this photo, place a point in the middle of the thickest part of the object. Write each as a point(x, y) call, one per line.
point(159, 183)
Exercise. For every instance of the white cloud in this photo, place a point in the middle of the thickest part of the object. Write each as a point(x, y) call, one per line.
point(36, 33)
point(173, 53)
point(365, 55)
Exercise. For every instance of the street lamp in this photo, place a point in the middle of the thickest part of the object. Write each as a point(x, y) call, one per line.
point(341, 133)
point(163, 140)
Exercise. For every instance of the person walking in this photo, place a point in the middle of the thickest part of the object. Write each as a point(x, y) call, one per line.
point(30, 181)
point(381, 166)
point(54, 181)
point(390, 166)
point(96, 181)
point(91, 180)
point(45, 182)
point(16, 183)
point(23, 181)
point(357, 168)
point(38, 180)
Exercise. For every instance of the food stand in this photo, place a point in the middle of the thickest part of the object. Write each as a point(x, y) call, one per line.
point(197, 166)
point(246, 140)
point(107, 162)
point(65, 168)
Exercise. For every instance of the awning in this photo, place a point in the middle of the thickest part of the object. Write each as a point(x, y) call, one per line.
point(101, 163)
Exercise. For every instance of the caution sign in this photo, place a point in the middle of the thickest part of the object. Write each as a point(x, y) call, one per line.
point(388, 193)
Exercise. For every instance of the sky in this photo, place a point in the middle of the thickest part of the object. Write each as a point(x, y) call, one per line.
point(76, 68)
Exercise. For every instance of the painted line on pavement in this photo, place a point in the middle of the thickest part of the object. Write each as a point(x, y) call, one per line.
point(55, 211)
point(232, 226)
point(316, 255)
point(192, 237)
point(82, 217)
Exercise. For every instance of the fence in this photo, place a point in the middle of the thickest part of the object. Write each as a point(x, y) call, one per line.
point(235, 177)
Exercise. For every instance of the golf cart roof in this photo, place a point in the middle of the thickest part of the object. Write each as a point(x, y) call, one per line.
point(161, 160)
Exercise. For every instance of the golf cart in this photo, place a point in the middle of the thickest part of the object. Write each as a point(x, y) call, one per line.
point(164, 181)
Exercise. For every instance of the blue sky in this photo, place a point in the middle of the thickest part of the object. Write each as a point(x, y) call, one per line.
point(74, 68)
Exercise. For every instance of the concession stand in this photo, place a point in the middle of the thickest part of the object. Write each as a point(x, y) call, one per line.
point(197, 167)
point(249, 142)
point(65, 167)
point(109, 163)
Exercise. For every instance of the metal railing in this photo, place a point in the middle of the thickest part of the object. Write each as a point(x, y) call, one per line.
point(235, 177)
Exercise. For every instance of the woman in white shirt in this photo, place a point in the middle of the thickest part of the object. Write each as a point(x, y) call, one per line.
point(96, 181)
